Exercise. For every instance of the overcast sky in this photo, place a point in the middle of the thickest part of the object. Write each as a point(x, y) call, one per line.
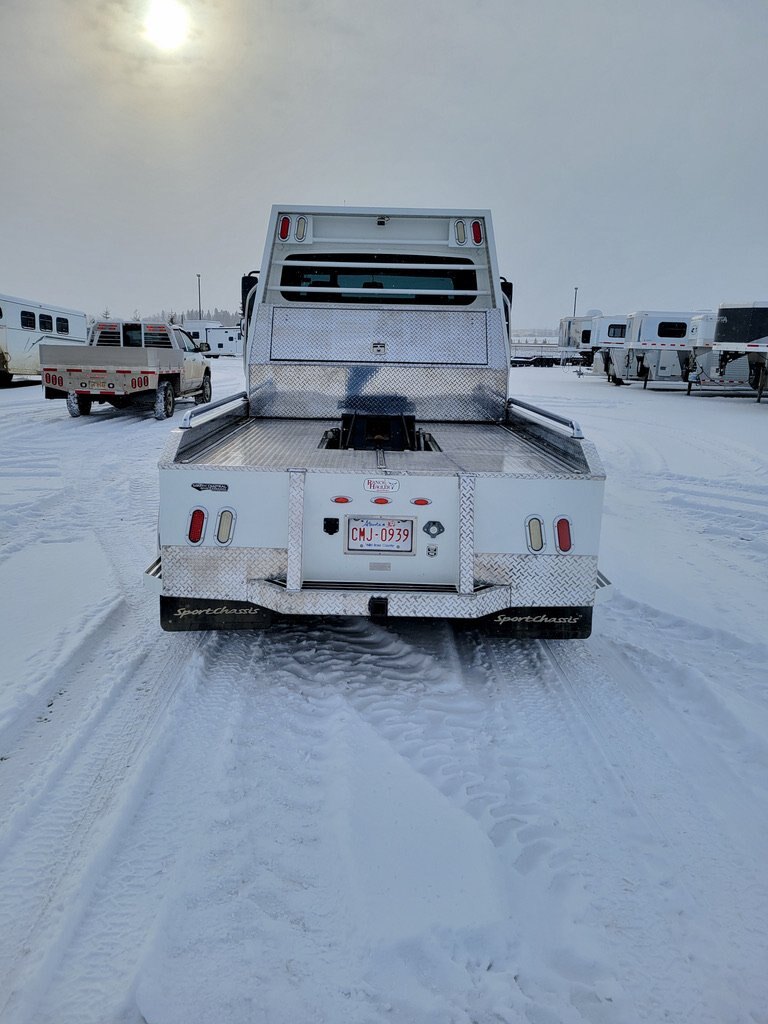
point(621, 145)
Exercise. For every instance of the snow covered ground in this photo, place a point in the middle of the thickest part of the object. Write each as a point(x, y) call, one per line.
point(353, 823)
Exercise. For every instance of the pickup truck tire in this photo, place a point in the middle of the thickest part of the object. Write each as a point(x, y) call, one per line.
point(78, 405)
point(205, 393)
point(165, 401)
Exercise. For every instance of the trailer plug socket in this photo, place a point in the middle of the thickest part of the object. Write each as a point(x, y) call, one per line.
point(331, 526)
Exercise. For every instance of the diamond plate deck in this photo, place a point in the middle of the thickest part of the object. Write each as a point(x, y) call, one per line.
point(479, 449)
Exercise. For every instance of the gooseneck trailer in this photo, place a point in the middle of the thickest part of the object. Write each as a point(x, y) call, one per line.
point(25, 325)
point(376, 465)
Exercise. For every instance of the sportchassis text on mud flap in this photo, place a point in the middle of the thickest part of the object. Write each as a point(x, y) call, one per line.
point(376, 465)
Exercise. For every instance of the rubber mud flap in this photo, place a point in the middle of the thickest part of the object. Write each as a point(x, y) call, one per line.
point(186, 613)
point(558, 623)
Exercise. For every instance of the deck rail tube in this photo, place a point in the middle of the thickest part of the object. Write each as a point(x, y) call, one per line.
point(572, 425)
point(205, 413)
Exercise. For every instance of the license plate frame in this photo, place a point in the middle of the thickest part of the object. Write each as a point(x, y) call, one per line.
point(376, 539)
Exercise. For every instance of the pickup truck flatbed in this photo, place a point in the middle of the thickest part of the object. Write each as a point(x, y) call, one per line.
point(127, 363)
point(377, 466)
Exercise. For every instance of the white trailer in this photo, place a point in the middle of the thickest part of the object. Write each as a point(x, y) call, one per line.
point(25, 324)
point(575, 335)
point(606, 331)
point(656, 347)
point(742, 332)
point(377, 466)
point(708, 369)
point(224, 341)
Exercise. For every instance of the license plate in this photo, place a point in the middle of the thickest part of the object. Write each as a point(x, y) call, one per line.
point(380, 534)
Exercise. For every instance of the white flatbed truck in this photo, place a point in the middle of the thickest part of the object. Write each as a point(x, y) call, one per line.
point(128, 363)
point(376, 466)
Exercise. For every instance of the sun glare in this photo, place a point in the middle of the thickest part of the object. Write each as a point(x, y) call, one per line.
point(166, 24)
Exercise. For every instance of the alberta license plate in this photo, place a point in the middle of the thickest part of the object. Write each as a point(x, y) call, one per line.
point(380, 534)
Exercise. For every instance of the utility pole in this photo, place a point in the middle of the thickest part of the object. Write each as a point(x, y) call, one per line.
point(575, 293)
point(200, 305)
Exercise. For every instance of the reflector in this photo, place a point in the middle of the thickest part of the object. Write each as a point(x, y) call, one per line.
point(563, 534)
point(226, 522)
point(196, 525)
point(535, 534)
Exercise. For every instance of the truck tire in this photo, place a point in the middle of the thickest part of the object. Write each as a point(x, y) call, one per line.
point(165, 401)
point(78, 405)
point(205, 394)
point(5, 378)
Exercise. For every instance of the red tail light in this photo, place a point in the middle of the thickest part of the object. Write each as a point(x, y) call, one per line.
point(284, 229)
point(563, 534)
point(477, 232)
point(380, 501)
point(196, 526)
point(420, 501)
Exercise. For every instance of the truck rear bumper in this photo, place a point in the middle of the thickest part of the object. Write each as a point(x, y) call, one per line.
point(492, 608)
point(567, 623)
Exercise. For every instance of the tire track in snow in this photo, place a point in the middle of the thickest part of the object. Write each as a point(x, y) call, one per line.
point(56, 842)
point(241, 856)
point(687, 850)
point(447, 712)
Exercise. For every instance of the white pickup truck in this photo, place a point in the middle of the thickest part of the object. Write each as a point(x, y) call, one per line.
point(127, 363)
point(376, 466)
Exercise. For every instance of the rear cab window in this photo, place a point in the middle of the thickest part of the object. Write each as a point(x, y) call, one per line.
point(377, 278)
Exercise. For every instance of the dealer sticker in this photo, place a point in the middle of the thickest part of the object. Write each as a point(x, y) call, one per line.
point(380, 484)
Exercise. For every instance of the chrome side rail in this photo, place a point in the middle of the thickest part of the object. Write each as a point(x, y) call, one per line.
point(205, 413)
point(572, 425)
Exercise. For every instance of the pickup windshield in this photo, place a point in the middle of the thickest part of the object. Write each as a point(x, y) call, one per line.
point(379, 278)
